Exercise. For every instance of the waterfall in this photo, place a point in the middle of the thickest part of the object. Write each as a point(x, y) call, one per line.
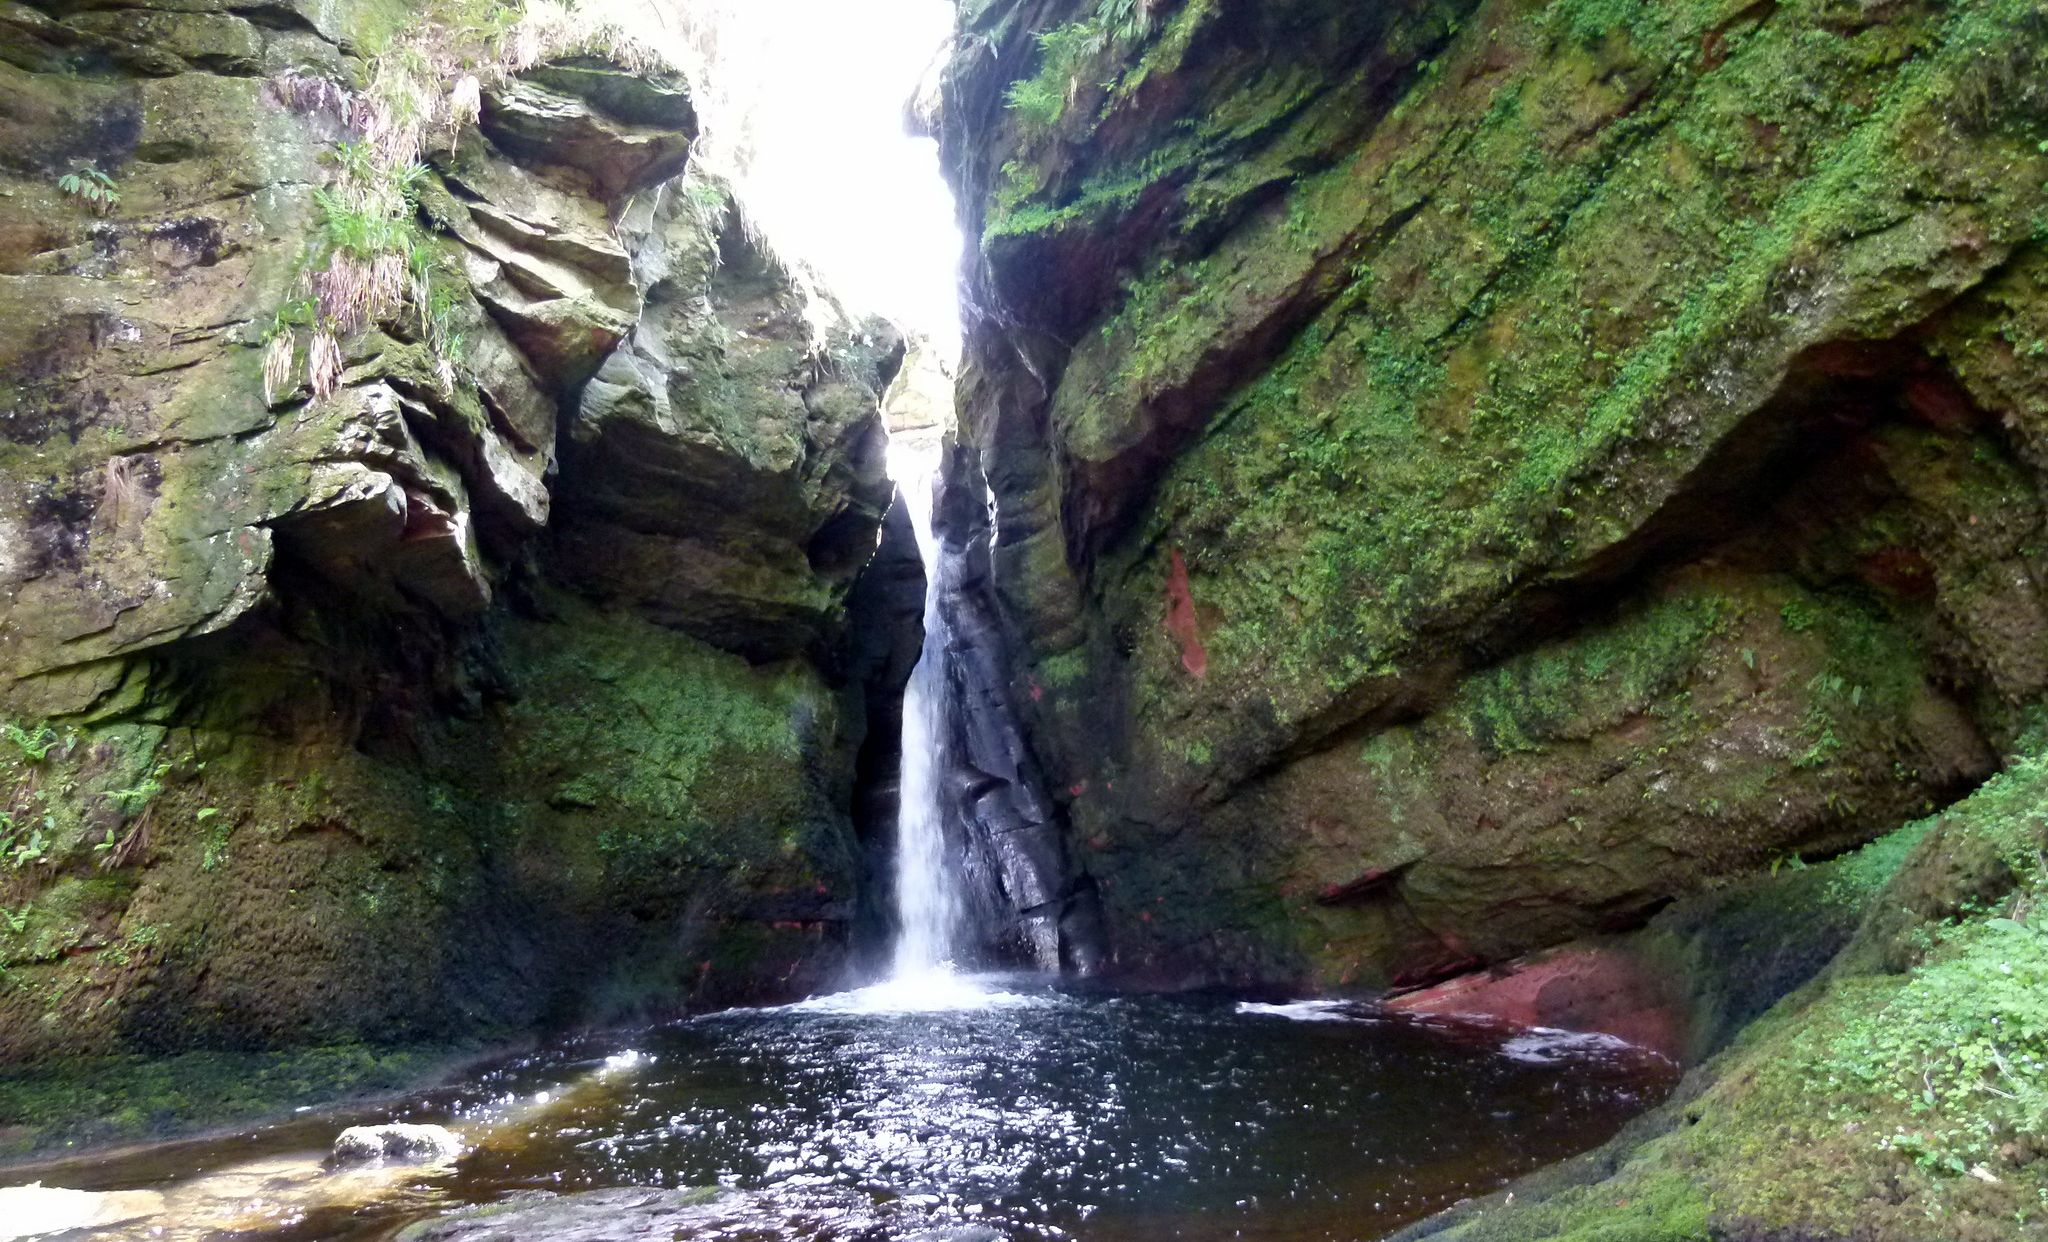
point(928, 904)
point(792, 96)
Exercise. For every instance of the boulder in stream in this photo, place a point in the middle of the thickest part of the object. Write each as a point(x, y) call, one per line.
point(417, 1144)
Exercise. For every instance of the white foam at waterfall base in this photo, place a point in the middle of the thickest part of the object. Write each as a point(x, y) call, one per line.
point(1308, 1011)
point(1542, 1045)
point(938, 990)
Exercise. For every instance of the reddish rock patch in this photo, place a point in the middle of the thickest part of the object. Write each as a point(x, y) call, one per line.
point(1181, 622)
point(1589, 988)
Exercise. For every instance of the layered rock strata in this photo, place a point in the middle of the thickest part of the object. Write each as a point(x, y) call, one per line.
point(490, 681)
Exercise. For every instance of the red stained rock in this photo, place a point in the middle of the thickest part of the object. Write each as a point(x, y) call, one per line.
point(1590, 988)
point(1181, 622)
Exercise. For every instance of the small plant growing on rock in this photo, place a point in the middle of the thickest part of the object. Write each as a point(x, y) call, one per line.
point(1065, 55)
point(213, 851)
point(425, 87)
point(120, 490)
point(1125, 21)
point(35, 745)
point(120, 850)
point(91, 186)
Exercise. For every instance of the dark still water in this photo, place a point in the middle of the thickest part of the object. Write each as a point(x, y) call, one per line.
point(985, 1111)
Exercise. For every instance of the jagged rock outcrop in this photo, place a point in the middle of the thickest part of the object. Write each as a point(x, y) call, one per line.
point(1468, 474)
point(731, 475)
point(476, 695)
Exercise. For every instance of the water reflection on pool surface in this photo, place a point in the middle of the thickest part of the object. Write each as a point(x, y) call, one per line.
point(975, 1109)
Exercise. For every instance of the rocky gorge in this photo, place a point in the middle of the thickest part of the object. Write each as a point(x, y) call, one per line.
point(1518, 508)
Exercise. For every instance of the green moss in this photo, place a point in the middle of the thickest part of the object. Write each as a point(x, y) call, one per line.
point(1475, 416)
point(1855, 879)
point(1651, 1207)
point(682, 753)
point(1893, 1098)
point(1956, 1054)
point(1100, 197)
point(1065, 670)
point(1531, 700)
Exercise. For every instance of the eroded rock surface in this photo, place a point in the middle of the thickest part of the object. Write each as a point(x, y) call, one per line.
point(477, 696)
point(1469, 474)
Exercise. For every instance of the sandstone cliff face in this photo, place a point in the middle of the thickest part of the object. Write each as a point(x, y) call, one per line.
point(1470, 473)
point(486, 679)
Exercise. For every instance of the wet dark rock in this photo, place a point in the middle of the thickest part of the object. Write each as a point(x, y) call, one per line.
point(1029, 902)
point(884, 635)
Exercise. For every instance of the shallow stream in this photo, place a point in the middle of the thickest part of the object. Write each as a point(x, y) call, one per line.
point(956, 1109)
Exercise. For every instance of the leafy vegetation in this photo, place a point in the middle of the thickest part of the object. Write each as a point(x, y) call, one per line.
point(1068, 54)
point(94, 188)
point(377, 257)
point(34, 744)
point(213, 849)
point(1960, 1049)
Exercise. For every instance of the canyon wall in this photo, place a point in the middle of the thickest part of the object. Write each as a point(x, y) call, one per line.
point(1484, 478)
point(426, 521)
point(1468, 474)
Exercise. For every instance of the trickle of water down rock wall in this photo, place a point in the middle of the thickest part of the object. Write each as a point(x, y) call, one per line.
point(504, 686)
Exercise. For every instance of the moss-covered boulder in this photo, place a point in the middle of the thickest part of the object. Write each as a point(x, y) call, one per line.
point(1896, 1097)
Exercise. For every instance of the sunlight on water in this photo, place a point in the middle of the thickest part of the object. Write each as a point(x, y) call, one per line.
point(994, 1103)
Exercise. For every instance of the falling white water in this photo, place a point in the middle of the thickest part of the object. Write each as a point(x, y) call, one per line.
point(803, 106)
point(927, 894)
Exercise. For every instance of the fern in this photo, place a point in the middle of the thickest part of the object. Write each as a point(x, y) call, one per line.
point(34, 745)
point(1124, 21)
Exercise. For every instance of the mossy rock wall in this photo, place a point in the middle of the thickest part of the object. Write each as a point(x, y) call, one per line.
point(651, 823)
point(1471, 473)
point(1896, 1097)
point(425, 711)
